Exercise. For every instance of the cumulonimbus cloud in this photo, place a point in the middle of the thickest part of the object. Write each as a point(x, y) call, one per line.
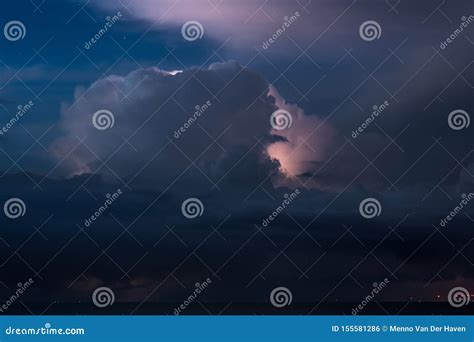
point(212, 120)
point(162, 122)
point(204, 127)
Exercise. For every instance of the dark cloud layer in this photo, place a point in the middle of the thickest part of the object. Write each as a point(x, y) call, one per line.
point(136, 256)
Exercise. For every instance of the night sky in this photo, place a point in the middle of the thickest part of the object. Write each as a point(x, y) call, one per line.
point(321, 147)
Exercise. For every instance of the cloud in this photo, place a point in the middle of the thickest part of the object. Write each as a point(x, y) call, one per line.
point(326, 160)
point(246, 23)
point(202, 123)
point(204, 127)
point(307, 141)
point(201, 128)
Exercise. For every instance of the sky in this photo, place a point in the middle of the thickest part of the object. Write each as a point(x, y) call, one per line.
point(322, 144)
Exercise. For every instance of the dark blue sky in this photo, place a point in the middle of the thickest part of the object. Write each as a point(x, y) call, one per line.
point(309, 60)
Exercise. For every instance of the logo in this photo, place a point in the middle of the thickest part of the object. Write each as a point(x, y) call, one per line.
point(458, 119)
point(102, 297)
point(192, 208)
point(281, 119)
point(370, 30)
point(14, 208)
point(281, 297)
point(370, 208)
point(103, 119)
point(192, 30)
point(14, 30)
point(459, 296)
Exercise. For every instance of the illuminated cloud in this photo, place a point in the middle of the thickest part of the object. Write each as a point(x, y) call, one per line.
point(304, 143)
point(156, 132)
point(163, 121)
